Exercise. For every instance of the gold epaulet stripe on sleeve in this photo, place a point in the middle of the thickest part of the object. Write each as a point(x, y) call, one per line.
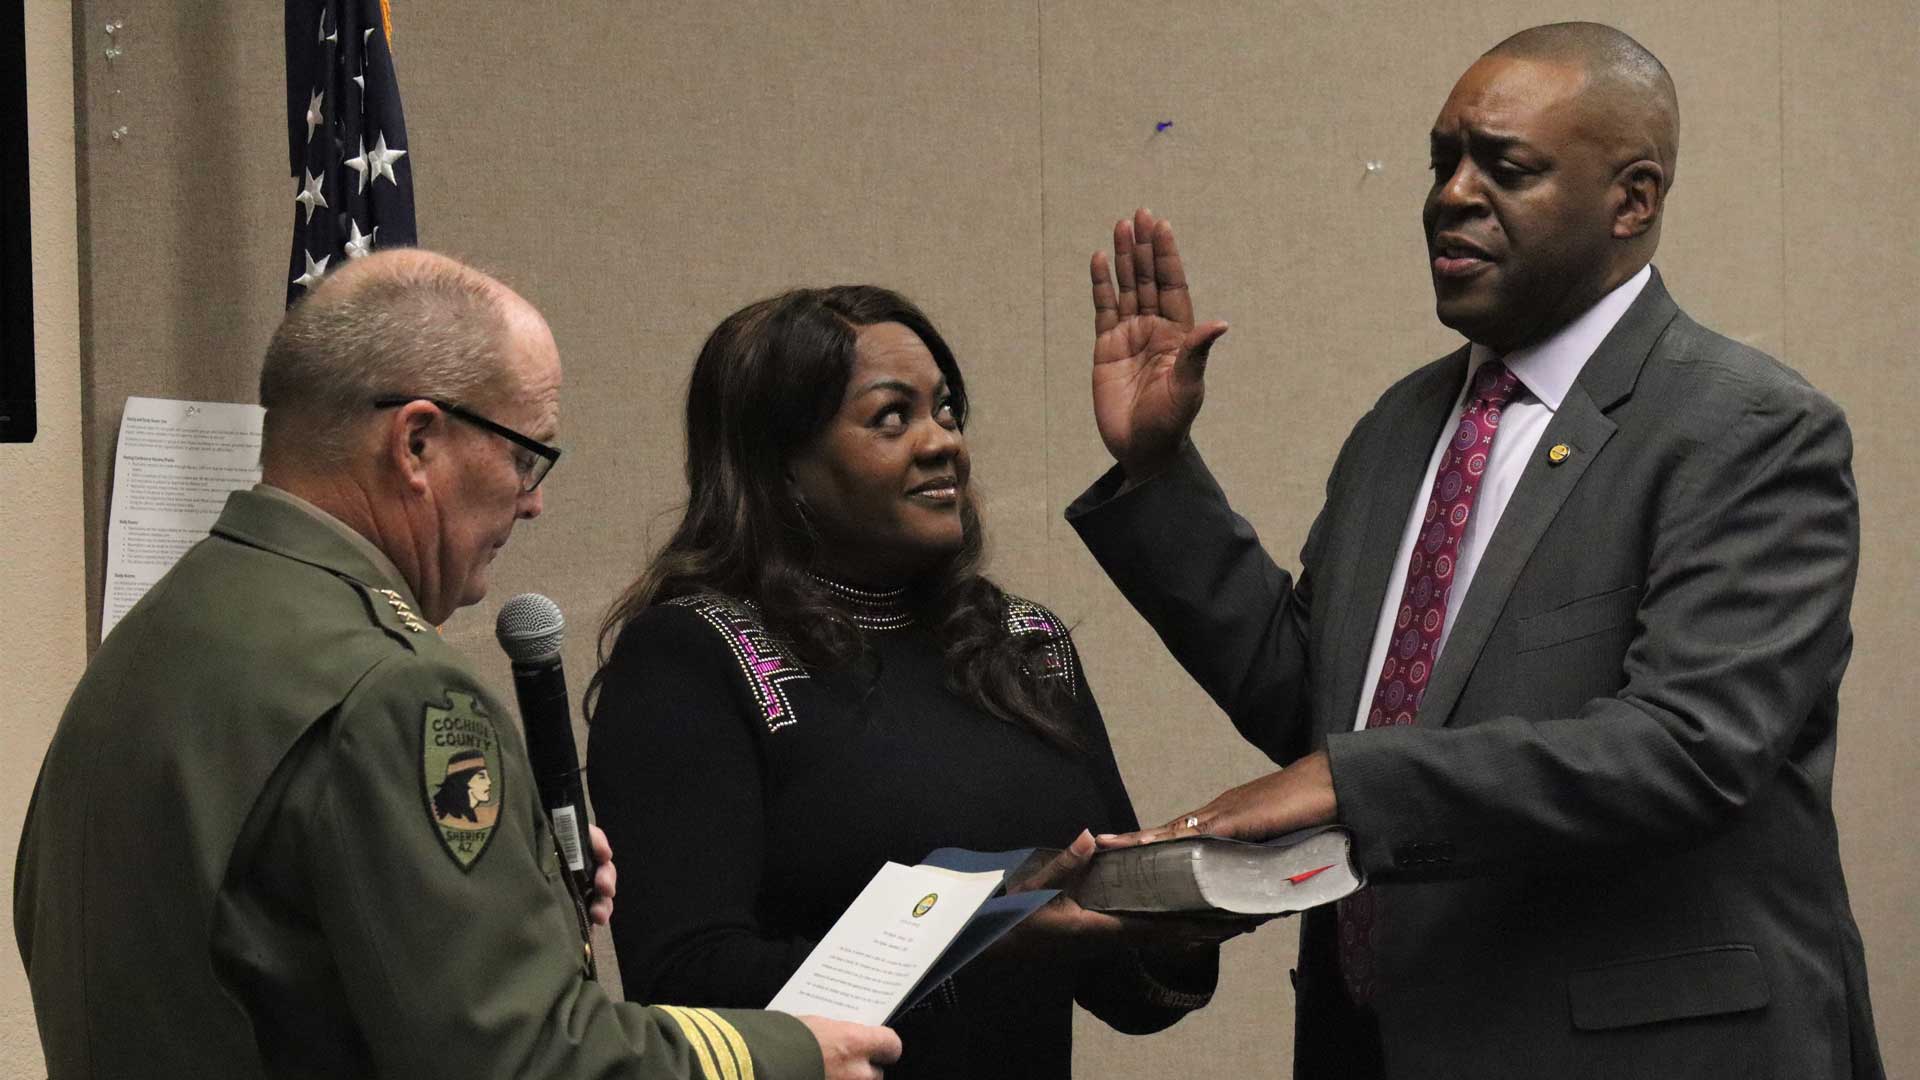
point(741, 1055)
point(708, 1023)
point(695, 1039)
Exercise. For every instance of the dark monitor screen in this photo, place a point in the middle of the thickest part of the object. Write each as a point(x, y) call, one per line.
point(18, 420)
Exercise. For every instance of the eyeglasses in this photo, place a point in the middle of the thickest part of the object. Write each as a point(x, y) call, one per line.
point(532, 469)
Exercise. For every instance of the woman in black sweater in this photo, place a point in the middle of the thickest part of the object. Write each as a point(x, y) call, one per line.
point(812, 678)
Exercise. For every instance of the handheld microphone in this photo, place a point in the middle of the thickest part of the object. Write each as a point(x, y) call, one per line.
point(530, 628)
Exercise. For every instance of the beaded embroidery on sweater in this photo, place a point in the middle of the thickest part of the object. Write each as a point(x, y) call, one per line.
point(766, 668)
point(1056, 659)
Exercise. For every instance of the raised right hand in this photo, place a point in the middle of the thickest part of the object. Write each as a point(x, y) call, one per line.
point(1149, 359)
point(853, 1051)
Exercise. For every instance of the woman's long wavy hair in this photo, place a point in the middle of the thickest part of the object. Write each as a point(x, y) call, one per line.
point(768, 380)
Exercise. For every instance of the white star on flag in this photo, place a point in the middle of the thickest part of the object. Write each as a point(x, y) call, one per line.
point(310, 196)
point(315, 271)
point(314, 116)
point(382, 159)
point(359, 165)
point(359, 246)
point(360, 80)
point(324, 36)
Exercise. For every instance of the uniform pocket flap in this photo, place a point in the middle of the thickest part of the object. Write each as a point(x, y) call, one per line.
point(1698, 982)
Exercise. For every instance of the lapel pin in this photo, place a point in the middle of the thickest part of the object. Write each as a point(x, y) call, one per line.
point(1559, 453)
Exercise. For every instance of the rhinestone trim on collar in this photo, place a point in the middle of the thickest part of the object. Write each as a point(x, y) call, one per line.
point(886, 610)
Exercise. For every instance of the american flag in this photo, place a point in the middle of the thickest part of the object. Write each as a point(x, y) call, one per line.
point(346, 137)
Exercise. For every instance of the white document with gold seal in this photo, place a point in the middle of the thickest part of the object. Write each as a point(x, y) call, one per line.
point(909, 930)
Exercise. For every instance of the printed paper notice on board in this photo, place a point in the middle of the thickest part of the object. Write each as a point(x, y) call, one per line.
point(177, 461)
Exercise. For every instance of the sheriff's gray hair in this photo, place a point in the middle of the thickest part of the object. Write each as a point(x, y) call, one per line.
point(401, 323)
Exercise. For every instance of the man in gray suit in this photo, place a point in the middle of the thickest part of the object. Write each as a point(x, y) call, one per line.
point(1565, 649)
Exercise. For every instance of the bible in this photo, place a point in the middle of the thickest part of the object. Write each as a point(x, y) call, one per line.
point(1203, 874)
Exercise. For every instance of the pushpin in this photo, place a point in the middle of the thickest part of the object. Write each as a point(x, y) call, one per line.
point(1162, 126)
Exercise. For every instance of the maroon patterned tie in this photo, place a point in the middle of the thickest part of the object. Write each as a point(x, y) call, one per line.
point(1421, 616)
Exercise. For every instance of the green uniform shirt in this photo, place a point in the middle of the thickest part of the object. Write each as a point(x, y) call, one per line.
point(283, 831)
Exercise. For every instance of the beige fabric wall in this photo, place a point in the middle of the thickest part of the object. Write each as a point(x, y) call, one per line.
point(43, 639)
point(639, 170)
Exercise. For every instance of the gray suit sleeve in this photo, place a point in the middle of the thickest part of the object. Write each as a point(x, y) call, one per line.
point(1742, 636)
point(1196, 571)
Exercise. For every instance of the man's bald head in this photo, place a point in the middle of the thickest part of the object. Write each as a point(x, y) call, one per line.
point(1552, 157)
point(398, 322)
point(1628, 93)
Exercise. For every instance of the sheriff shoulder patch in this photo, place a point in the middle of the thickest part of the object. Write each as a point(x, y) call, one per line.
point(460, 768)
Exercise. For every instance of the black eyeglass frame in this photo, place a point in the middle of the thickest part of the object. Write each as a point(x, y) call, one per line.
point(546, 456)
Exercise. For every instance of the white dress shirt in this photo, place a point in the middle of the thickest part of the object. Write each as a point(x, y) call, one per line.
point(1546, 372)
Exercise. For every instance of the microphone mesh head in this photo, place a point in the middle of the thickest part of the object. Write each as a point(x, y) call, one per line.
point(530, 628)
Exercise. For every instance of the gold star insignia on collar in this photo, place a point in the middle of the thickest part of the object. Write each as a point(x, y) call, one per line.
point(405, 614)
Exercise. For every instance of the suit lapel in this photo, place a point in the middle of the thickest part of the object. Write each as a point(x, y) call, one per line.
point(1582, 425)
point(1536, 501)
point(1407, 433)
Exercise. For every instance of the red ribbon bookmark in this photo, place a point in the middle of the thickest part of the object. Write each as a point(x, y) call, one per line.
point(1298, 878)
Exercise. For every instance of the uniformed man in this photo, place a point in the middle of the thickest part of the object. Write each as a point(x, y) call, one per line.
point(283, 830)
